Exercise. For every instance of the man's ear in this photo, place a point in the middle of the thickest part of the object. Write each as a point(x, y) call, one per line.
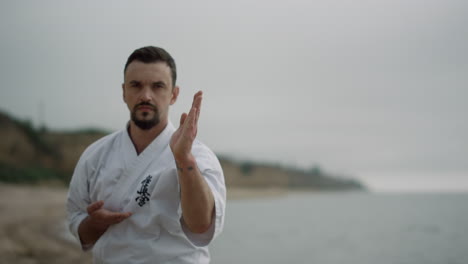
point(175, 94)
point(123, 92)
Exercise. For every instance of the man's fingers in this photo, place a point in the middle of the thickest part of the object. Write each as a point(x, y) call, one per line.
point(188, 122)
point(191, 117)
point(124, 216)
point(194, 113)
point(182, 119)
point(95, 206)
point(197, 99)
point(197, 94)
point(114, 217)
point(198, 106)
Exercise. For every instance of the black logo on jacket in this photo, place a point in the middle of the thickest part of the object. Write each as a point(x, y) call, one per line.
point(143, 192)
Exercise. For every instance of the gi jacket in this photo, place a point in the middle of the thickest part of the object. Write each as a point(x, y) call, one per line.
point(146, 185)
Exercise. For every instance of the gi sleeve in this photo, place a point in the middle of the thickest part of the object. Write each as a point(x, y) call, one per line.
point(211, 170)
point(78, 199)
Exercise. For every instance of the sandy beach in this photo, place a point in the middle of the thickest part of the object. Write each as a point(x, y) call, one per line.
point(32, 224)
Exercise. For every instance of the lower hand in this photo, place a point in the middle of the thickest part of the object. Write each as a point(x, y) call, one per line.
point(101, 218)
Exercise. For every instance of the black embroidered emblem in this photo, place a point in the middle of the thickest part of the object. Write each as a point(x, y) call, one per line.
point(143, 192)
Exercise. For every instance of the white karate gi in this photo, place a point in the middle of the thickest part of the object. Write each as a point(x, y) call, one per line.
point(146, 185)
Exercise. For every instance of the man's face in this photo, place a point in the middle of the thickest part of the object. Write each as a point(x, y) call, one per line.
point(148, 92)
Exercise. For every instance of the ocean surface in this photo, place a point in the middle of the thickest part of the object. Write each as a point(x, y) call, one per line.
point(349, 227)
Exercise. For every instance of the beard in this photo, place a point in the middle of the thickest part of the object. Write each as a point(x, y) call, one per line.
point(144, 123)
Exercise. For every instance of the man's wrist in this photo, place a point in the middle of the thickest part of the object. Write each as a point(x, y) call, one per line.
point(186, 163)
point(88, 234)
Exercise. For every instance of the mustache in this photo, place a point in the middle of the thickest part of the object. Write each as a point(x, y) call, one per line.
point(145, 104)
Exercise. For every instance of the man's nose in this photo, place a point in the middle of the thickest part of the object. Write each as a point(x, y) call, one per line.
point(145, 95)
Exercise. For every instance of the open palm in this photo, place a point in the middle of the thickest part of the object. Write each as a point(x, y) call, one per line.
point(183, 137)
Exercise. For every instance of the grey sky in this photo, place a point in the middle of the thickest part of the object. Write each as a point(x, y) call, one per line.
point(353, 86)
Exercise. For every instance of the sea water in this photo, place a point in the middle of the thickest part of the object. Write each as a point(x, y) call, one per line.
point(349, 227)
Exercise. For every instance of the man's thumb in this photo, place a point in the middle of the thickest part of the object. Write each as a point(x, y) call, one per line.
point(95, 206)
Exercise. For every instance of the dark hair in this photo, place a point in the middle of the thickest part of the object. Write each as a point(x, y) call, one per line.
point(151, 54)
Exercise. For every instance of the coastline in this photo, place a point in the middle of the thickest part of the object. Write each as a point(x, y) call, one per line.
point(236, 193)
point(32, 226)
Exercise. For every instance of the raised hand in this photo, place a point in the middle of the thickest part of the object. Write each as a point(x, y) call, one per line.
point(197, 200)
point(183, 137)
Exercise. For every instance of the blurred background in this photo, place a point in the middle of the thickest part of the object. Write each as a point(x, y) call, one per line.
point(366, 99)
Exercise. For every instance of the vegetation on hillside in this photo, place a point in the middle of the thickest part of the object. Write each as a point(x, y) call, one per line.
point(57, 154)
point(30, 175)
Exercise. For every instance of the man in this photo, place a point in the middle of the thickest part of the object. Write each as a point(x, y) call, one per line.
point(148, 193)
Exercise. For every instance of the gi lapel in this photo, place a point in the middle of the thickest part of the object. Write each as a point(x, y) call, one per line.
point(138, 167)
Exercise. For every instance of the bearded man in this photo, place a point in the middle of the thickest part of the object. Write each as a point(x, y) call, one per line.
point(149, 193)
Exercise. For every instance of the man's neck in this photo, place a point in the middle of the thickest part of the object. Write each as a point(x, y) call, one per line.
point(142, 138)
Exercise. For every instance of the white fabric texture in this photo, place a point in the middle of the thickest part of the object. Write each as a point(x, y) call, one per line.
point(146, 185)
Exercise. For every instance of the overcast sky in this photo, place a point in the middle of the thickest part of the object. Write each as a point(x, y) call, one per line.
point(353, 86)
